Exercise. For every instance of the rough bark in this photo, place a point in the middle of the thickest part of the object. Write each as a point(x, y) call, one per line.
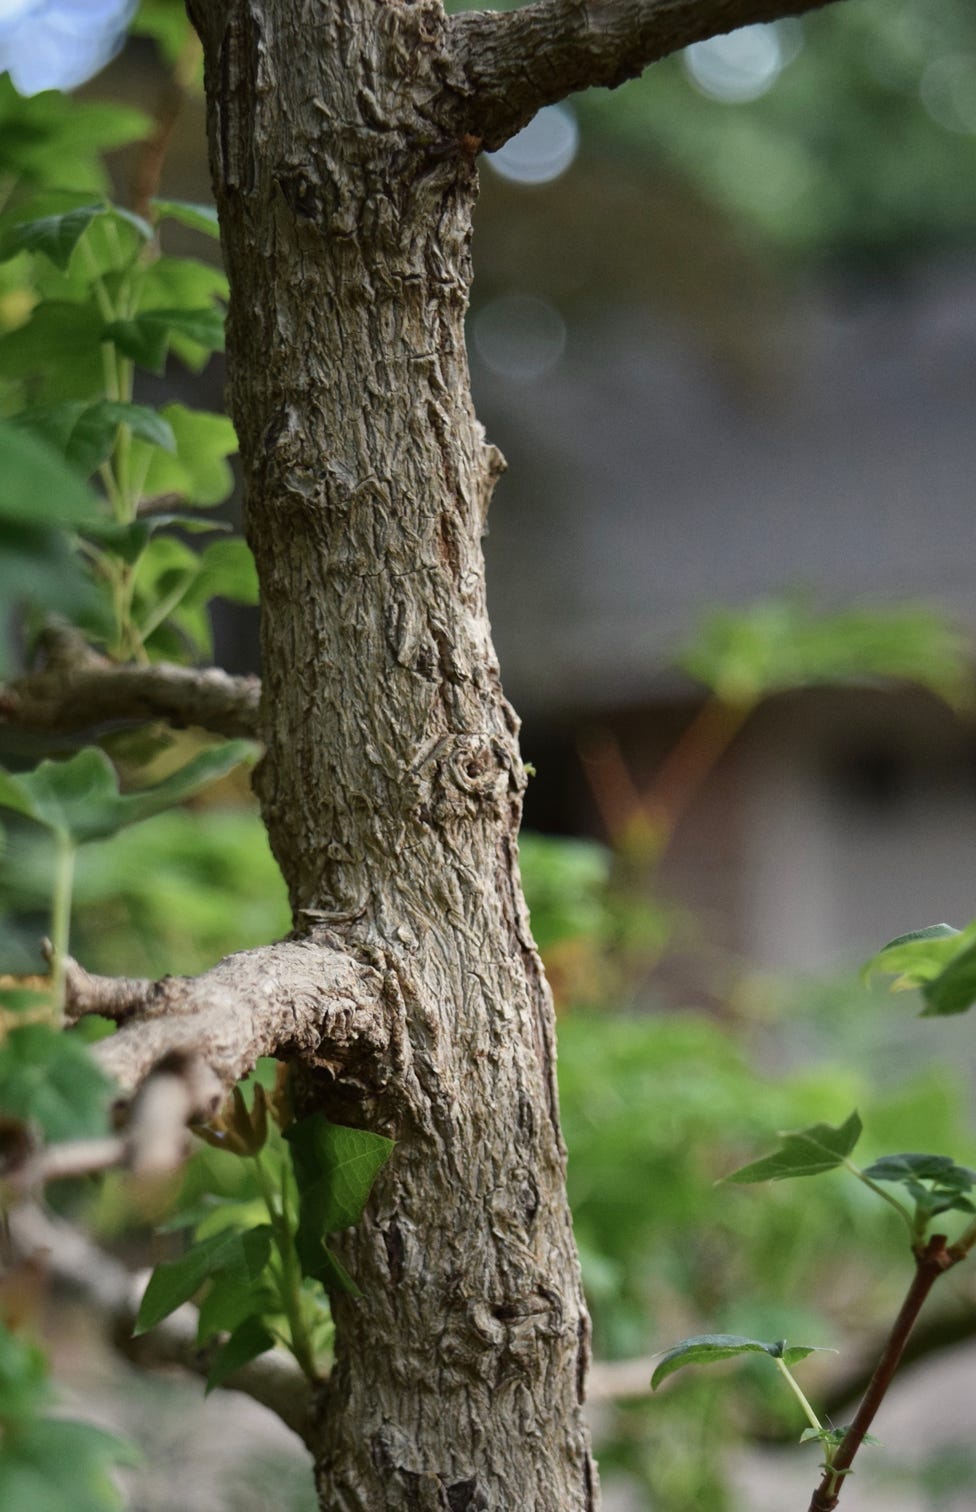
point(515, 61)
point(392, 782)
point(343, 138)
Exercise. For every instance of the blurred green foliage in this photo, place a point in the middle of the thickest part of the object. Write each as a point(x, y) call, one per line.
point(842, 157)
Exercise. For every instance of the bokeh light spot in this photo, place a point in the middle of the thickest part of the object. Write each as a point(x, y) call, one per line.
point(541, 151)
point(745, 64)
point(948, 92)
point(519, 337)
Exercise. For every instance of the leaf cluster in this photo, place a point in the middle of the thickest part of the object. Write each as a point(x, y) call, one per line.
point(259, 1259)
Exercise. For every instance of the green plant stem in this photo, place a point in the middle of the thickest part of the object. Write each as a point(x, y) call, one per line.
point(885, 1197)
point(791, 1381)
point(965, 1242)
point(930, 1264)
point(275, 1198)
point(64, 874)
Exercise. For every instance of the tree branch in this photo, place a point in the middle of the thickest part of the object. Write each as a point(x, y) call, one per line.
point(514, 62)
point(77, 693)
point(114, 1293)
point(305, 998)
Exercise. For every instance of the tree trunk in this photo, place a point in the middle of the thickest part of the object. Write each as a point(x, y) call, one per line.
point(392, 781)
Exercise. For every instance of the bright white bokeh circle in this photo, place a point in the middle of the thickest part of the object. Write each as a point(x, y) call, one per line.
point(58, 44)
point(743, 65)
point(541, 151)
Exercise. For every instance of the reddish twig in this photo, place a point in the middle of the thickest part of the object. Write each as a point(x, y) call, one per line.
point(930, 1263)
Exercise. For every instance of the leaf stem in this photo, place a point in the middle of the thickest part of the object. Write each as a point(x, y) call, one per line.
point(791, 1381)
point(930, 1263)
point(64, 872)
point(275, 1196)
point(879, 1191)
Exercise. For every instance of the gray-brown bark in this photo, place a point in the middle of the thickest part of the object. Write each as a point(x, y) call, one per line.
point(343, 137)
point(392, 781)
point(515, 61)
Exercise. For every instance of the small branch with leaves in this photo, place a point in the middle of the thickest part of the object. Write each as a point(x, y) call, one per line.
point(941, 961)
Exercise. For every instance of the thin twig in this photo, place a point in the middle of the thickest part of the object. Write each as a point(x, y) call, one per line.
point(114, 1293)
point(930, 1263)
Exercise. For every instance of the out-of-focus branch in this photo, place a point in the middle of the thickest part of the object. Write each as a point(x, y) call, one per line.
point(78, 689)
point(104, 1284)
point(152, 152)
point(182, 1089)
point(511, 63)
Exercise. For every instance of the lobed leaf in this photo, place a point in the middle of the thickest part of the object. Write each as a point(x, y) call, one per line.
point(80, 799)
point(954, 989)
point(55, 236)
point(243, 1255)
point(249, 1339)
point(147, 337)
point(708, 1349)
point(198, 470)
point(48, 1078)
point(197, 217)
point(38, 488)
point(57, 350)
point(745, 655)
point(57, 1465)
point(335, 1168)
point(808, 1152)
point(85, 434)
point(919, 956)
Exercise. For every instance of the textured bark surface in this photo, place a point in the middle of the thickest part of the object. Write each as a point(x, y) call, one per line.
point(392, 783)
point(343, 138)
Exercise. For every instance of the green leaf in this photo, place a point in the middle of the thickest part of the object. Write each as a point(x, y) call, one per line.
point(332, 1273)
point(38, 488)
point(930, 932)
point(55, 1465)
point(146, 337)
point(231, 1298)
point(38, 569)
point(199, 470)
point(168, 26)
point(833, 1437)
point(85, 434)
point(249, 1339)
point(57, 351)
point(911, 1167)
point(56, 236)
point(180, 281)
point(52, 138)
point(23, 1377)
point(808, 1152)
point(197, 217)
point(708, 1349)
point(335, 1168)
point(49, 1078)
point(949, 1183)
point(919, 956)
point(176, 1281)
point(79, 798)
point(954, 989)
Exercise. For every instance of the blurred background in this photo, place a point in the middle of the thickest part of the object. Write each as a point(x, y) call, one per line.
point(724, 330)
